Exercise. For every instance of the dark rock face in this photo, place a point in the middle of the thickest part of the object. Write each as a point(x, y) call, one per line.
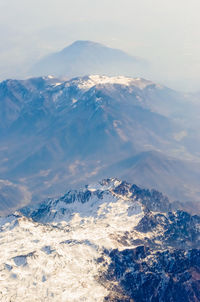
point(151, 199)
point(178, 229)
point(162, 276)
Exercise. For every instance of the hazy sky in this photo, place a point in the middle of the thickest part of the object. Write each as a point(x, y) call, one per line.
point(166, 33)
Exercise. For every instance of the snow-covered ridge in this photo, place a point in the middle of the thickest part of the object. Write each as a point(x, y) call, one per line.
point(85, 83)
point(97, 201)
point(94, 80)
point(89, 81)
point(94, 201)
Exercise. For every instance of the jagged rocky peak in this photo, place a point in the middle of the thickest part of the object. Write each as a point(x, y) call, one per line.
point(105, 184)
point(98, 200)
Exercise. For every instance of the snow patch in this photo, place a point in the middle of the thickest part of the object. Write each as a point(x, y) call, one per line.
point(93, 80)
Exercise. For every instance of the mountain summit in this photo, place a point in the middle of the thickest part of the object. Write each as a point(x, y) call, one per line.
point(87, 57)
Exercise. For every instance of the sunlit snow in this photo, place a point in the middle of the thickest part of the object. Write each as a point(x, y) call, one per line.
point(93, 80)
point(58, 261)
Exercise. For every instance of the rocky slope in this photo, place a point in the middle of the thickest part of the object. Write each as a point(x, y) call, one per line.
point(111, 241)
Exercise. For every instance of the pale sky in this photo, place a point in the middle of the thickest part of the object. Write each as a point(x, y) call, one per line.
point(166, 33)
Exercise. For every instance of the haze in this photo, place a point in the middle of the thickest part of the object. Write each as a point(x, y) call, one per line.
point(165, 33)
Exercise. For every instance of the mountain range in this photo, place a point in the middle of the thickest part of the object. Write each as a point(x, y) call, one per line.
point(56, 134)
point(110, 241)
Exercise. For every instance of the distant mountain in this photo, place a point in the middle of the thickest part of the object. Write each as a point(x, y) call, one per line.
point(87, 57)
point(56, 134)
point(110, 241)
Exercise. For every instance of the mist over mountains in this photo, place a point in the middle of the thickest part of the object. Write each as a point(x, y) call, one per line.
point(87, 57)
point(99, 151)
